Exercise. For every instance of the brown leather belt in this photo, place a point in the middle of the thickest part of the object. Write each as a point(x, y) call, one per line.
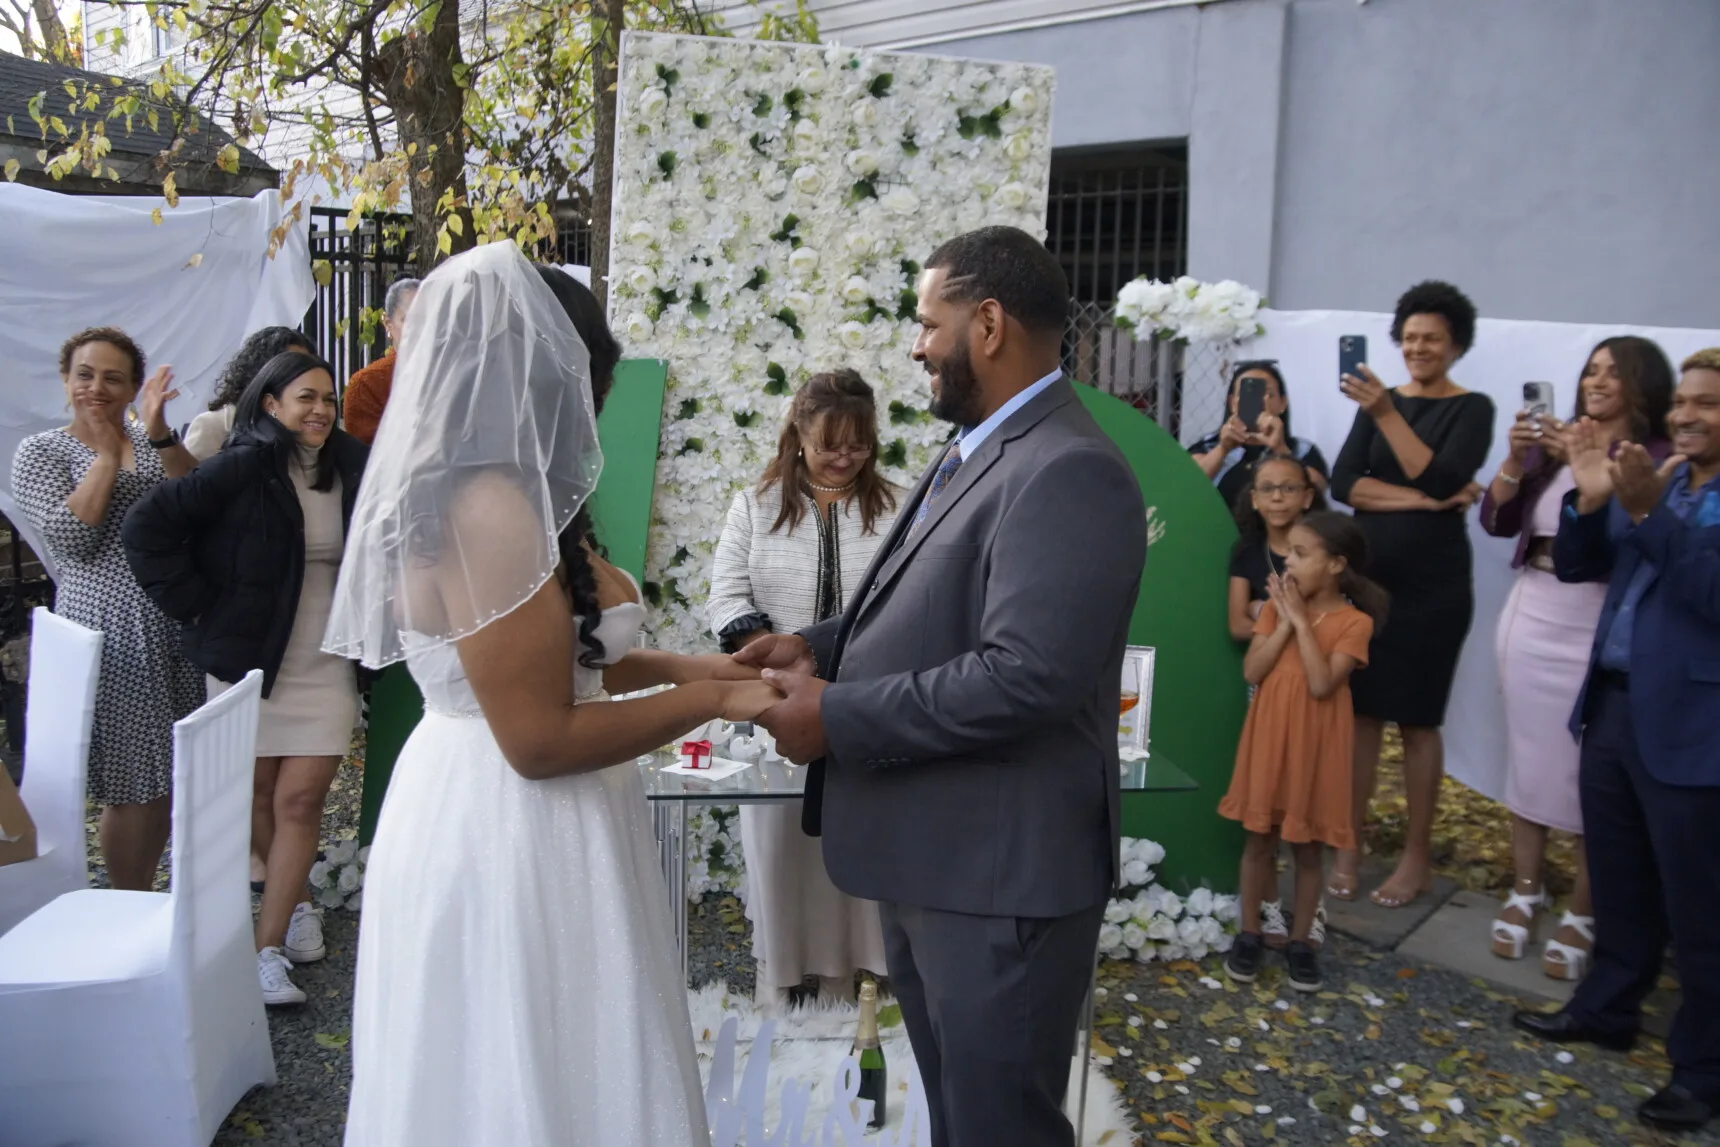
point(1540, 555)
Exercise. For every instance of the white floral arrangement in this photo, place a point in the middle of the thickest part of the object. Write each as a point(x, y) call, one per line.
point(337, 878)
point(714, 859)
point(1155, 923)
point(772, 204)
point(1190, 311)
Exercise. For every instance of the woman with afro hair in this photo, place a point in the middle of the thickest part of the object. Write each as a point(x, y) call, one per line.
point(1408, 468)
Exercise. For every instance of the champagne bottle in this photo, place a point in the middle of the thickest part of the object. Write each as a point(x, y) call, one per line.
point(870, 1052)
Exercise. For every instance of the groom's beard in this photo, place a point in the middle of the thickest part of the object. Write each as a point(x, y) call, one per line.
point(957, 398)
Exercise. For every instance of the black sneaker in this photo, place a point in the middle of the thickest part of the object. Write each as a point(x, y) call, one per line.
point(1304, 966)
point(1247, 953)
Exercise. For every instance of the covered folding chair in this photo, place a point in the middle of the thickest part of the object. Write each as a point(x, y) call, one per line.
point(65, 662)
point(134, 1019)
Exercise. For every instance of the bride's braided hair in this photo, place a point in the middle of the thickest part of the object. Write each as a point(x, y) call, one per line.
point(587, 317)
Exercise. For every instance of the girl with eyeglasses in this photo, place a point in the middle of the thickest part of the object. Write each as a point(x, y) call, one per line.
point(792, 553)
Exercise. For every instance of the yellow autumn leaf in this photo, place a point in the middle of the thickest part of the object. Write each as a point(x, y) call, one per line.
point(456, 224)
point(323, 272)
point(12, 168)
point(227, 159)
point(194, 262)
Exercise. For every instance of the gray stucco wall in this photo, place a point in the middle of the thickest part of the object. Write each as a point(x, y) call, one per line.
point(1560, 159)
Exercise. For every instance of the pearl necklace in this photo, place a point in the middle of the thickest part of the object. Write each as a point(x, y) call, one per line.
point(811, 485)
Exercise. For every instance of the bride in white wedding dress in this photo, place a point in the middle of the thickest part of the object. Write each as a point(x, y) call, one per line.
point(518, 979)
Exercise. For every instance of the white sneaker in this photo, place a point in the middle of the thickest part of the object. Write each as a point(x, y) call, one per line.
point(272, 969)
point(304, 942)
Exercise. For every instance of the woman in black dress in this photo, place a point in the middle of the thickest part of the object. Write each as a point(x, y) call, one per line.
point(1408, 469)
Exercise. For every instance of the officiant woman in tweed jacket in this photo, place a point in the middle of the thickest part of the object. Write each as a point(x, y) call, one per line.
point(792, 553)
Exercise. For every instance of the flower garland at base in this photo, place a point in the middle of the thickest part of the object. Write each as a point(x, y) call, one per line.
point(337, 878)
point(1150, 922)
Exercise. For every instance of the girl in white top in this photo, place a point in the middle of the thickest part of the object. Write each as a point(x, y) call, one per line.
point(792, 553)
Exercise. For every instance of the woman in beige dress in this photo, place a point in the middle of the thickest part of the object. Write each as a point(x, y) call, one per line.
point(792, 553)
point(244, 551)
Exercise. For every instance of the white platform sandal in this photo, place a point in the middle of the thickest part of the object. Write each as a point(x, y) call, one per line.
point(1566, 961)
point(1510, 940)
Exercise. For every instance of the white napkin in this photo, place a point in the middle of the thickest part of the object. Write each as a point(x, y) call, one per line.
point(719, 768)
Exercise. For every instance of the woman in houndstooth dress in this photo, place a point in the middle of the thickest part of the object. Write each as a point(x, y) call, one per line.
point(97, 468)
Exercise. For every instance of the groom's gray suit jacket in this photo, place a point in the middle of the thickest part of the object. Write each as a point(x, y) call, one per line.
point(972, 715)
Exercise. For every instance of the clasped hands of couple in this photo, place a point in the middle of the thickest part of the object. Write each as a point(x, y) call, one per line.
point(786, 699)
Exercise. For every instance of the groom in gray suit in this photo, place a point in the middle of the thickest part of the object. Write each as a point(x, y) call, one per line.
point(961, 715)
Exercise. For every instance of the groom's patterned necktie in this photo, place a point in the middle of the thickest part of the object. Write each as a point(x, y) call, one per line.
point(946, 470)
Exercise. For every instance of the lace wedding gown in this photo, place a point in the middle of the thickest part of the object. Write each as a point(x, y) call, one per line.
point(518, 983)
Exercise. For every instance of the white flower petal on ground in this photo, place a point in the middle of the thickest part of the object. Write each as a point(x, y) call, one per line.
point(1565, 1057)
point(1358, 1113)
point(1428, 1127)
point(1456, 1106)
point(1410, 1104)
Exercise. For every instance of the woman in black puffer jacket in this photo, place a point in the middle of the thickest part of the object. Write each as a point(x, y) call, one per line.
point(244, 551)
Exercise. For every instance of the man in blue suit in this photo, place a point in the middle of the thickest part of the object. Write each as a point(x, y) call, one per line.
point(1649, 721)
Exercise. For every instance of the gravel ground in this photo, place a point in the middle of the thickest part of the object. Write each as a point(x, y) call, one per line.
point(1220, 1054)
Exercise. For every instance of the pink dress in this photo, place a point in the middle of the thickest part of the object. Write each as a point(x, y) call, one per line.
point(1543, 641)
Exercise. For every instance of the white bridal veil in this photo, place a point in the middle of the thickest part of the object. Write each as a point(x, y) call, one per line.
point(487, 449)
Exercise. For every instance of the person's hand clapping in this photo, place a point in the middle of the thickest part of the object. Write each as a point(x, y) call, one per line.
point(152, 401)
point(1586, 454)
point(1367, 392)
point(107, 440)
point(1636, 481)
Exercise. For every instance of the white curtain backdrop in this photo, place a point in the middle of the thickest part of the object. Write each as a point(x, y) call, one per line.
point(1507, 353)
point(188, 290)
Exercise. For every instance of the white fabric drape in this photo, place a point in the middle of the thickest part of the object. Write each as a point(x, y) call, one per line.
point(1507, 353)
point(188, 290)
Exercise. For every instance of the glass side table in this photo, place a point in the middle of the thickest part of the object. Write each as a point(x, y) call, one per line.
point(781, 783)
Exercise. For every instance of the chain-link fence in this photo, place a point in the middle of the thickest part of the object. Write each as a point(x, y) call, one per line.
point(1182, 387)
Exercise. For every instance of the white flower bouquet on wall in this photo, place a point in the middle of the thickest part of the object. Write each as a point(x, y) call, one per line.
point(772, 204)
point(1190, 311)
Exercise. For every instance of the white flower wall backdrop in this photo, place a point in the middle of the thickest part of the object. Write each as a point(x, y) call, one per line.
point(772, 205)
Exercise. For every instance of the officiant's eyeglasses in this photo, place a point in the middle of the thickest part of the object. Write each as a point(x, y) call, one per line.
point(841, 452)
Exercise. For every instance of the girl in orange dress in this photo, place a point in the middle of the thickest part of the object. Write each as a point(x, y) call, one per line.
point(1292, 778)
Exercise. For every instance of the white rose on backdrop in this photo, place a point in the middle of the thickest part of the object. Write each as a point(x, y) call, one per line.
point(1200, 902)
point(865, 113)
point(350, 880)
point(774, 186)
point(806, 137)
point(1147, 954)
point(1110, 936)
point(1019, 146)
point(1196, 950)
point(640, 279)
point(802, 304)
point(1226, 908)
point(812, 80)
point(1013, 196)
point(331, 898)
point(1135, 874)
point(808, 180)
point(1133, 936)
point(1142, 911)
point(860, 245)
point(1172, 952)
point(900, 201)
point(1224, 942)
point(1118, 912)
point(856, 291)
point(1188, 930)
point(802, 262)
point(344, 852)
point(1210, 930)
point(851, 335)
point(653, 102)
point(319, 877)
point(1024, 100)
point(637, 328)
point(364, 855)
point(862, 162)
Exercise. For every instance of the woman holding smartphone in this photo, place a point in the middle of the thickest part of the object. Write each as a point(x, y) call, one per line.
point(1408, 468)
point(1257, 426)
point(1547, 628)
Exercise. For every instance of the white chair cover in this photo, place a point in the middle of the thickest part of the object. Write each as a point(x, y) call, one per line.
point(65, 661)
point(134, 1019)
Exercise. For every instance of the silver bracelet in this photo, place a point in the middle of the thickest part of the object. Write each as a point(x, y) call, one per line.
point(1508, 480)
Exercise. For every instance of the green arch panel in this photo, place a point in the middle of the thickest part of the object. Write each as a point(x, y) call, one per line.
point(1199, 697)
